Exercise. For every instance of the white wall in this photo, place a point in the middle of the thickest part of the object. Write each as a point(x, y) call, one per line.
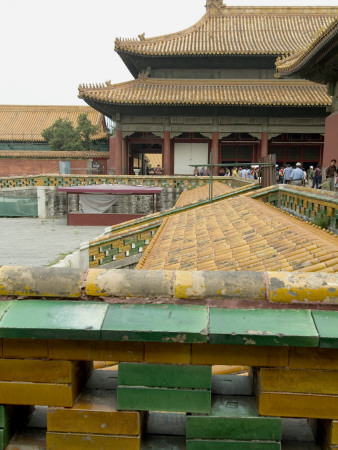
point(186, 154)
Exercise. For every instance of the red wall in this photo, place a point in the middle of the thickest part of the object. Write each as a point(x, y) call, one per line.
point(331, 139)
point(11, 167)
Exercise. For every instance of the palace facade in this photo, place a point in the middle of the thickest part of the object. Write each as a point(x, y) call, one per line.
point(212, 87)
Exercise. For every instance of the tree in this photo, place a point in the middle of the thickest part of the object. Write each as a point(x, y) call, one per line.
point(63, 136)
point(86, 129)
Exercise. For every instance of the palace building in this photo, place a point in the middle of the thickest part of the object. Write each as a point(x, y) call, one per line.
point(212, 87)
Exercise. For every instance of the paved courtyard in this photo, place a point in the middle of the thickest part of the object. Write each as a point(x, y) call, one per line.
point(40, 242)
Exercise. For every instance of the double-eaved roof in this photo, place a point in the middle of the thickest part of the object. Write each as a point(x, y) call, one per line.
point(318, 61)
point(152, 91)
point(21, 123)
point(223, 32)
point(237, 30)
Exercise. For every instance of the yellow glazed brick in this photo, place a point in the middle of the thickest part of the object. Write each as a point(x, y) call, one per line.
point(72, 441)
point(25, 348)
point(94, 411)
point(45, 394)
point(328, 432)
point(96, 350)
point(313, 358)
point(38, 371)
point(167, 353)
point(298, 405)
point(118, 351)
point(298, 381)
point(239, 355)
point(69, 349)
point(118, 243)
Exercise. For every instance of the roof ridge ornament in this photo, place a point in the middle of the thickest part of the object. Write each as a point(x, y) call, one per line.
point(214, 5)
point(144, 75)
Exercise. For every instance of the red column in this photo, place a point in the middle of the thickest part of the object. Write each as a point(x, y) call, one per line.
point(215, 151)
point(124, 157)
point(166, 154)
point(112, 146)
point(331, 139)
point(118, 152)
point(264, 144)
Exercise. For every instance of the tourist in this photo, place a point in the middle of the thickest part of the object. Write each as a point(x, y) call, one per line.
point(196, 172)
point(234, 172)
point(331, 173)
point(158, 170)
point(227, 172)
point(317, 177)
point(287, 174)
point(207, 172)
point(310, 174)
point(297, 177)
point(202, 172)
point(221, 172)
point(281, 175)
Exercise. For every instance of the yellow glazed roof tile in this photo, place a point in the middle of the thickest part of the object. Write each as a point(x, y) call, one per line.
point(155, 91)
point(238, 31)
point(289, 64)
point(240, 234)
point(202, 193)
point(25, 123)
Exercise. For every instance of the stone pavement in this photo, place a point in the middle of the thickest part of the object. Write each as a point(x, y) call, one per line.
point(40, 242)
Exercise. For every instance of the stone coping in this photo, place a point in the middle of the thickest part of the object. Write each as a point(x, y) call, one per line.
point(257, 288)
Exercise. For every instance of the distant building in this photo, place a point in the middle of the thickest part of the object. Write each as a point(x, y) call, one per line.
point(319, 62)
point(213, 86)
point(23, 150)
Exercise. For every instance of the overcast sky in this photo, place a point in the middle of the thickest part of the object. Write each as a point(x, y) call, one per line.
point(49, 47)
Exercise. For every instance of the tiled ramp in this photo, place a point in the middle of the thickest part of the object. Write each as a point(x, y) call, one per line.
point(240, 234)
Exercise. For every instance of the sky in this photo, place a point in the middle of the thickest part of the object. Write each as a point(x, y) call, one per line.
point(49, 47)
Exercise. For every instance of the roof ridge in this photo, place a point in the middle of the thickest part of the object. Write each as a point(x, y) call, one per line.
point(291, 61)
point(164, 36)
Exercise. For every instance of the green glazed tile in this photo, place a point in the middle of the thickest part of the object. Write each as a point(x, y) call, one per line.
point(231, 445)
point(4, 307)
point(160, 399)
point(234, 417)
point(6, 412)
point(42, 319)
point(262, 327)
point(6, 434)
point(156, 323)
point(165, 375)
point(327, 326)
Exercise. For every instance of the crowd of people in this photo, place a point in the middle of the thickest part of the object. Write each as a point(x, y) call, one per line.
point(290, 174)
point(313, 177)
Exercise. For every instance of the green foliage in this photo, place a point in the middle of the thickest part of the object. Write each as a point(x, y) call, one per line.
point(63, 136)
point(322, 221)
point(85, 129)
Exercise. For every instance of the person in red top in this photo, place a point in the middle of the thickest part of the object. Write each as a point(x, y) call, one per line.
point(331, 172)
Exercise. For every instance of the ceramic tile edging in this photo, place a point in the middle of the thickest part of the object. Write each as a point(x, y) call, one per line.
point(270, 287)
